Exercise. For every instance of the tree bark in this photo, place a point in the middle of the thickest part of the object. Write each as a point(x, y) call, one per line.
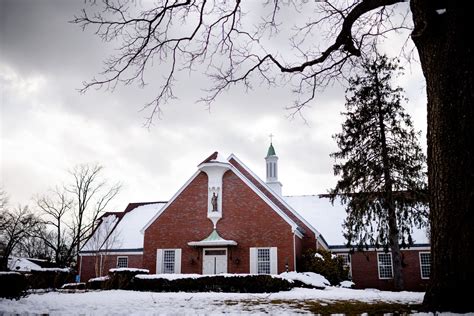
point(445, 47)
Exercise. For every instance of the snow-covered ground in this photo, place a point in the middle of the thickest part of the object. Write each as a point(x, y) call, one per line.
point(150, 303)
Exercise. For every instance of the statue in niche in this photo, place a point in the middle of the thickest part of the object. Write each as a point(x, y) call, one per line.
point(214, 202)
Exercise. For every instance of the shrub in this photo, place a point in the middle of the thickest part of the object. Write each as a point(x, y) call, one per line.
point(121, 279)
point(236, 284)
point(12, 284)
point(97, 283)
point(50, 278)
point(326, 264)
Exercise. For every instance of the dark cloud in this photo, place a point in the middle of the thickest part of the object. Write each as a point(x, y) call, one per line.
point(47, 126)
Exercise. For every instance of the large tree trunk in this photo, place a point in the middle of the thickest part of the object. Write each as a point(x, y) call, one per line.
point(444, 43)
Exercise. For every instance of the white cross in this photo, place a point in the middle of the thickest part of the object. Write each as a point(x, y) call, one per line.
point(271, 137)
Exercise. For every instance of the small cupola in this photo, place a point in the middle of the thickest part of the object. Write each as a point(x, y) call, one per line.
point(271, 161)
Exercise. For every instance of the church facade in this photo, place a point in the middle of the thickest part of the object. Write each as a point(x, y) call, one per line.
point(224, 219)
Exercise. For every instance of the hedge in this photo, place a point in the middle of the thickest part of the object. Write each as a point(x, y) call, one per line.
point(235, 284)
point(46, 279)
point(12, 284)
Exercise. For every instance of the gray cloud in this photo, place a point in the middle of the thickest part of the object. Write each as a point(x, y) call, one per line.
point(47, 126)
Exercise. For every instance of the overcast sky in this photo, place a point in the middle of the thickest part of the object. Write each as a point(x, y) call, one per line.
point(47, 127)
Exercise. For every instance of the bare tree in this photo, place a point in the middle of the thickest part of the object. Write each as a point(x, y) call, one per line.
point(71, 213)
point(183, 34)
point(102, 241)
point(17, 225)
point(34, 246)
point(91, 196)
point(56, 209)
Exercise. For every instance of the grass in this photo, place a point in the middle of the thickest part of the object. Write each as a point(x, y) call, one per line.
point(335, 307)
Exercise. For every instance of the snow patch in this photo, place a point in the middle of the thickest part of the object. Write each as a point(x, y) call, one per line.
point(441, 11)
point(309, 278)
point(52, 269)
point(346, 284)
point(102, 278)
point(129, 270)
point(72, 284)
point(8, 272)
point(318, 255)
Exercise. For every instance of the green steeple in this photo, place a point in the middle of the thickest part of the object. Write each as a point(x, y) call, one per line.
point(271, 151)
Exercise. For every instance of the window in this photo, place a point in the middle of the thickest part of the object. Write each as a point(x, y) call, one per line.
point(122, 262)
point(168, 261)
point(425, 265)
point(385, 265)
point(263, 261)
point(346, 262)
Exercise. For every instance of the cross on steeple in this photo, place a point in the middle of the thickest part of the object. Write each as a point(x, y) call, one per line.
point(271, 137)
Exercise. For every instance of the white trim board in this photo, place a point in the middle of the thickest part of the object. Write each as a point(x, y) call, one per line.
point(275, 195)
point(265, 198)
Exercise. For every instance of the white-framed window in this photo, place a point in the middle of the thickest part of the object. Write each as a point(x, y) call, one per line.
point(122, 262)
point(168, 261)
point(385, 265)
point(425, 264)
point(264, 260)
point(346, 262)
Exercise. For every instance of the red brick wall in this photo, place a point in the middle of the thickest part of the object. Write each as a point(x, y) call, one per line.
point(246, 219)
point(87, 269)
point(365, 271)
point(309, 239)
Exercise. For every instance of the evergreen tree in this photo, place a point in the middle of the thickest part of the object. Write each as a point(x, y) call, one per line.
point(382, 167)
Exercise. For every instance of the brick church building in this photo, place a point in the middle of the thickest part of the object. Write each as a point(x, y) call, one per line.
point(225, 219)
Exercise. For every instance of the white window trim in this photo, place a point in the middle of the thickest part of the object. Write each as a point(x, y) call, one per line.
point(378, 265)
point(273, 259)
point(160, 262)
point(421, 271)
point(121, 257)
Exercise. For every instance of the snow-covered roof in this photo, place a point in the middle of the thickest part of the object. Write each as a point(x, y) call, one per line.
point(122, 231)
point(329, 218)
point(102, 232)
point(127, 233)
point(21, 264)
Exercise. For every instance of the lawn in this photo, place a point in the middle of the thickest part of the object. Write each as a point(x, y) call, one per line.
point(297, 301)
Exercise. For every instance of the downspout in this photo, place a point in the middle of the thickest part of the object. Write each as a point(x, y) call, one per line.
point(294, 251)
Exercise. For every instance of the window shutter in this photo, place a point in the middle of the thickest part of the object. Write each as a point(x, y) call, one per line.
point(159, 260)
point(253, 260)
point(177, 261)
point(273, 260)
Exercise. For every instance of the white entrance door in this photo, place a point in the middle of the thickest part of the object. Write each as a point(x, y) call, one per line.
point(214, 261)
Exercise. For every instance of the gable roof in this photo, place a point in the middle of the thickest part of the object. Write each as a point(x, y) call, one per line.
point(317, 209)
point(121, 230)
point(217, 158)
point(275, 198)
